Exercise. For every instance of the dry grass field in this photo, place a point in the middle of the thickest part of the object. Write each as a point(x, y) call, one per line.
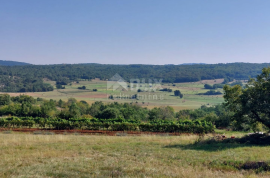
point(28, 155)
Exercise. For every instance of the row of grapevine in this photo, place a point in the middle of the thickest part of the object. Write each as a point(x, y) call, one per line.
point(87, 124)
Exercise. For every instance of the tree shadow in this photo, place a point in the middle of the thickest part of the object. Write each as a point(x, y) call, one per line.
point(212, 145)
point(209, 147)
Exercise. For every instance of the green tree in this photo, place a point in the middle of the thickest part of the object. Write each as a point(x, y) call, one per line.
point(177, 92)
point(181, 95)
point(163, 113)
point(24, 109)
point(83, 87)
point(251, 104)
point(211, 117)
point(207, 86)
point(95, 108)
point(109, 113)
point(74, 110)
point(47, 109)
point(4, 99)
point(59, 86)
point(61, 103)
point(71, 100)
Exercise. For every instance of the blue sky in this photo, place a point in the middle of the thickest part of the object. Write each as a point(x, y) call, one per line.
point(135, 31)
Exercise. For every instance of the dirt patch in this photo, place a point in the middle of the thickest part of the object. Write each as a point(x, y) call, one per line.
point(94, 96)
point(216, 81)
point(190, 88)
point(91, 132)
point(27, 93)
point(96, 80)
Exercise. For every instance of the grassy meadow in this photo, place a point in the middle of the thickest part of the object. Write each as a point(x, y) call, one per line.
point(190, 90)
point(75, 155)
point(29, 155)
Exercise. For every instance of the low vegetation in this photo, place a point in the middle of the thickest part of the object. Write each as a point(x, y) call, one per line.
point(40, 155)
point(196, 127)
point(211, 92)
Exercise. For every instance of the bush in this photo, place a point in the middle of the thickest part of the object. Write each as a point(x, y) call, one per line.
point(82, 88)
point(117, 124)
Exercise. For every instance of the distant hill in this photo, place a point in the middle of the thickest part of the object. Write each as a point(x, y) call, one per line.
point(192, 64)
point(12, 63)
point(29, 78)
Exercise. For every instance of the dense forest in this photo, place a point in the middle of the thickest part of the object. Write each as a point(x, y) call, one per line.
point(30, 77)
point(12, 63)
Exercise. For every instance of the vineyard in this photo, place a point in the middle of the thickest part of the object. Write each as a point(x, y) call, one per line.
point(196, 127)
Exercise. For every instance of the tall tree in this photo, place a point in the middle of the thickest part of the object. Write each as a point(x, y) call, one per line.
point(177, 92)
point(250, 104)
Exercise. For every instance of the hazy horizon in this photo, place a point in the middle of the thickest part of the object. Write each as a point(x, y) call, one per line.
point(139, 32)
point(143, 64)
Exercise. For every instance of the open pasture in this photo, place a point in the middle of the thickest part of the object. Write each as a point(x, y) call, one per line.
point(28, 155)
point(147, 99)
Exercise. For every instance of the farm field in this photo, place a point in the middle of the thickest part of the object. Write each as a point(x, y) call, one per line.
point(161, 98)
point(28, 155)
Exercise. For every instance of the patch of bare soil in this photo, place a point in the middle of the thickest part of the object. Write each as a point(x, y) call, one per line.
point(94, 96)
point(90, 132)
point(216, 81)
point(27, 93)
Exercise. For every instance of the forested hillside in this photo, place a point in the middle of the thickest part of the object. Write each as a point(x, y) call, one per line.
point(12, 63)
point(29, 77)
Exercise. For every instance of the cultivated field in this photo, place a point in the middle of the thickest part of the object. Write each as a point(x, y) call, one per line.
point(28, 155)
point(151, 99)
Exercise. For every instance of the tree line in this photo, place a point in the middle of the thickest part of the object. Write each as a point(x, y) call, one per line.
point(199, 127)
point(26, 111)
point(29, 78)
point(27, 106)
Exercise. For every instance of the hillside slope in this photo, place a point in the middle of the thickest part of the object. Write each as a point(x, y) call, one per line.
point(12, 63)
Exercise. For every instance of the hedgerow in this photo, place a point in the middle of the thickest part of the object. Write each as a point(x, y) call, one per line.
point(187, 126)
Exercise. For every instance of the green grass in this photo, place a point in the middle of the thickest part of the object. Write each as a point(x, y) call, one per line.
point(28, 155)
point(190, 90)
point(231, 133)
